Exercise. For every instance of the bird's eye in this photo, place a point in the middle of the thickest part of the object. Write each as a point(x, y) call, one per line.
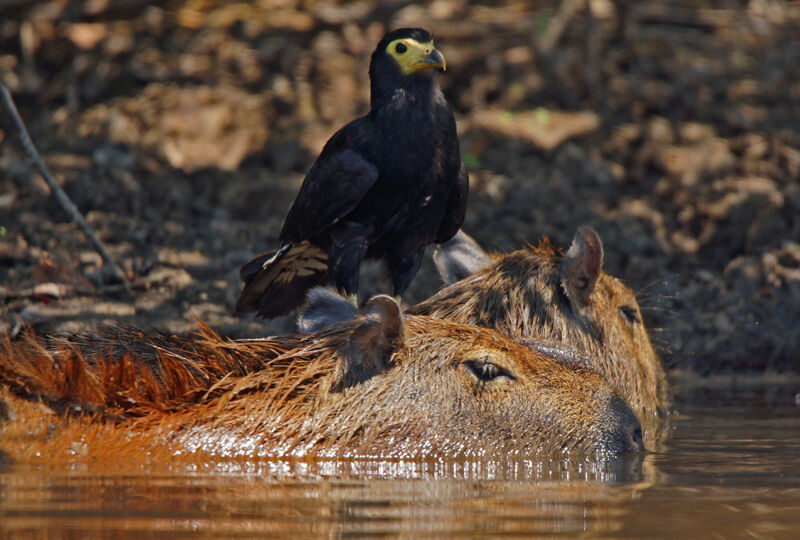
point(630, 314)
point(400, 48)
point(487, 371)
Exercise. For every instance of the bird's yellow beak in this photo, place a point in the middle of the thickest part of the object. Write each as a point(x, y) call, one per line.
point(413, 56)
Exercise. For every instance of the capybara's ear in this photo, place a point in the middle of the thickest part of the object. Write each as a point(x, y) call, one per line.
point(581, 266)
point(555, 350)
point(459, 257)
point(374, 340)
point(323, 308)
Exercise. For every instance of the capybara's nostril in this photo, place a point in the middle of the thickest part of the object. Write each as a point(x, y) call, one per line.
point(625, 430)
point(638, 440)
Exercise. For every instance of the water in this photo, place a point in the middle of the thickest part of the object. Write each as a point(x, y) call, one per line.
point(731, 469)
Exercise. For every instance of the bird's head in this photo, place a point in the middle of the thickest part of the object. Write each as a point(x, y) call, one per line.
point(403, 58)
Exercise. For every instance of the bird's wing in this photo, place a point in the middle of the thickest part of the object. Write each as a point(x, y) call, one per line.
point(456, 207)
point(332, 189)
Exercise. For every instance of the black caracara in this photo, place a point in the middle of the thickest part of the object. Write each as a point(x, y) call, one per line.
point(385, 186)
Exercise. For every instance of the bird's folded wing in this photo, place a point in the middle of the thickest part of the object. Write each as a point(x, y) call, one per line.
point(456, 207)
point(333, 188)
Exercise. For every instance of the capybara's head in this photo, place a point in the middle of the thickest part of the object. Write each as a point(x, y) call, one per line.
point(541, 295)
point(429, 386)
point(380, 384)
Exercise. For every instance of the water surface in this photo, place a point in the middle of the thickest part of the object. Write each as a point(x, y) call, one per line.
point(730, 469)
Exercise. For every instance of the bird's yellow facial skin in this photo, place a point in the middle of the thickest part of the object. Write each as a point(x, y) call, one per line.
point(413, 56)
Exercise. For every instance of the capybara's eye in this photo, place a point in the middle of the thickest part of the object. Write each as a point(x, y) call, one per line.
point(630, 314)
point(485, 370)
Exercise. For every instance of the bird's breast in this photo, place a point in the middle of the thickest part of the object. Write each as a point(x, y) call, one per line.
point(409, 149)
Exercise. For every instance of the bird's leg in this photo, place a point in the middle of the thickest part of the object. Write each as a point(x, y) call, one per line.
point(403, 269)
point(348, 246)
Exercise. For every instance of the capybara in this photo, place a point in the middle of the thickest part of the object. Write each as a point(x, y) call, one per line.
point(550, 300)
point(378, 385)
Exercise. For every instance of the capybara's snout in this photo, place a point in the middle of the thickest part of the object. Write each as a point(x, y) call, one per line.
point(624, 432)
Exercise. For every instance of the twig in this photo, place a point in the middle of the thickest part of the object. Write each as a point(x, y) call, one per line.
point(566, 11)
point(109, 269)
point(593, 45)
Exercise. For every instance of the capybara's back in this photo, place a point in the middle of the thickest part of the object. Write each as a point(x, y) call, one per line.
point(544, 295)
point(380, 385)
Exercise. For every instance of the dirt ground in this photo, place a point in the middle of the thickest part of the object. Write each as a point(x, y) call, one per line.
point(182, 131)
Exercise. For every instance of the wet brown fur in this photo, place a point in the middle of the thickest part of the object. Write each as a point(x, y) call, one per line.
point(520, 294)
point(129, 395)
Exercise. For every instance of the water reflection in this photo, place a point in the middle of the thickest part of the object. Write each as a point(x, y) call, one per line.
point(328, 497)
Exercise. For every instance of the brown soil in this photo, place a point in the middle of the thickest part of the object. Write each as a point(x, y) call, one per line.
point(182, 131)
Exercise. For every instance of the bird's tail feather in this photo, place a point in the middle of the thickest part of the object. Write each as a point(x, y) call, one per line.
point(276, 282)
